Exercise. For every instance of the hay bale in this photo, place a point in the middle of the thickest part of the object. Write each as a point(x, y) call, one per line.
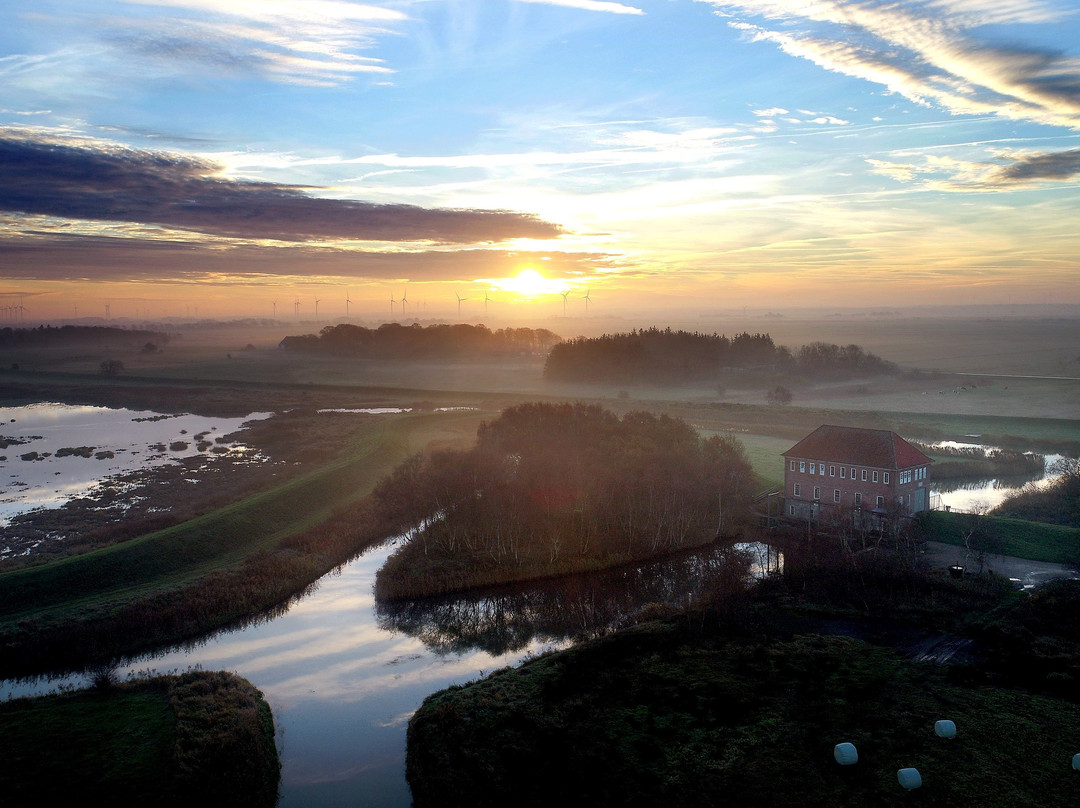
point(945, 729)
point(909, 778)
point(846, 754)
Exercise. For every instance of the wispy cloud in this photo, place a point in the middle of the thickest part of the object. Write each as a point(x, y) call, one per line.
point(316, 42)
point(928, 51)
point(97, 181)
point(1007, 170)
point(590, 5)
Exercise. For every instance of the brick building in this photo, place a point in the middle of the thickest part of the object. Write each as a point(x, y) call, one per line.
point(849, 467)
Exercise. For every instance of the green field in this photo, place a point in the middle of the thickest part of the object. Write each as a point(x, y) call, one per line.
point(671, 714)
point(1036, 541)
point(176, 740)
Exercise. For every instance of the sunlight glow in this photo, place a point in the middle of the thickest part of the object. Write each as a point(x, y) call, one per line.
point(530, 283)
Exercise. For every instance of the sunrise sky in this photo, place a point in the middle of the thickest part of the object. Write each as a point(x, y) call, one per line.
point(243, 157)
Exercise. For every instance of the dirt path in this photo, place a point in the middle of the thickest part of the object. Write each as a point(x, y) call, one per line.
point(1028, 573)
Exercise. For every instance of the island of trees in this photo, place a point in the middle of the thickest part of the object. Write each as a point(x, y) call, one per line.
point(46, 336)
point(556, 488)
point(655, 356)
point(394, 341)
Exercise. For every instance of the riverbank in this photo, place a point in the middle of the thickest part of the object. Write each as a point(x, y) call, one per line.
point(195, 738)
point(746, 700)
point(234, 563)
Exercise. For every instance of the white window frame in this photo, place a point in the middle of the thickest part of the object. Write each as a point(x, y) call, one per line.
point(864, 475)
point(817, 492)
point(836, 495)
point(832, 470)
point(858, 498)
point(795, 489)
point(885, 479)
point(874, 476)
point(843, 472)
point(802, 466)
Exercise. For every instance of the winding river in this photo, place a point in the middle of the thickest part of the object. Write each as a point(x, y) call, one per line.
point(343, 675)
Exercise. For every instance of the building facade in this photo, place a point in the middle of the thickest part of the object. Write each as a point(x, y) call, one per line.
point(872, 470)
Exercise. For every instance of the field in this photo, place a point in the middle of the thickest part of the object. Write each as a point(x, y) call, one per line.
point(174, 740)
point(243, 533)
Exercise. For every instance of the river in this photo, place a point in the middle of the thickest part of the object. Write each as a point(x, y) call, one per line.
point(343, 675)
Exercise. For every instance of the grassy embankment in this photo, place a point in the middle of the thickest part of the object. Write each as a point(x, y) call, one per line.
point(227, 565)
point(665, 715)
point(1037, 541)
point(195, 738)
point(742, 702)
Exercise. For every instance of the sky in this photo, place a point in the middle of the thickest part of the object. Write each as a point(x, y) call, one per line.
point(168, 158)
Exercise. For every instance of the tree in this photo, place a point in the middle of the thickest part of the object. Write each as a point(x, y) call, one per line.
point(779, 395)
point(111, 367)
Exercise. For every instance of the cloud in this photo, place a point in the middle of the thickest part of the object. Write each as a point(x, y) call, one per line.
point(590, 5)
point(49, 256)
point(315, 42)
point(104, 183)
point(927, 51)
point(1009, 171)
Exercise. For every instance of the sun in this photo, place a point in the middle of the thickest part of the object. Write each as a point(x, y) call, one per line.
point(530, 283)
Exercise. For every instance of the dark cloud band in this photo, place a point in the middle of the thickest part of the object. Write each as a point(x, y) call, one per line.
point(122, 185)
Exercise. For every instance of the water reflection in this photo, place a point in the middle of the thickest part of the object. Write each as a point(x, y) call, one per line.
point(511, 617)
point(343, 676)
point(40, 469)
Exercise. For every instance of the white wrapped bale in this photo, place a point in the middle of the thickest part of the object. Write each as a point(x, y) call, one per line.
point(945, 729)
point(909, 778)
point(846, 754)
point(1076, 761)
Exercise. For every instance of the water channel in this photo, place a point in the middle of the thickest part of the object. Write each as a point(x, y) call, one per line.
point(343, 674)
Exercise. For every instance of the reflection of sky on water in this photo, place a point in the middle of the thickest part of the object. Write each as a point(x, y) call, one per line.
point(970, 495)
point(342, 683)
point(46, 428)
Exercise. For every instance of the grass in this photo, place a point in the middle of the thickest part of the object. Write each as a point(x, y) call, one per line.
point(1036, 541)
point(227, 565)
point(666, 714)
point(176, 740)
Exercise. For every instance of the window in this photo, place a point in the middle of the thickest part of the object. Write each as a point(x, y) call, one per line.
point(864, 475)
point(836, 495)
point(791, 510)
point(802, 465)
point(843, 472)
point(813, 468)
point(792, 466)
point(880, 501)
point(832, 471)
point(821, 469)
point(853, 472)
point(885, 477)
point(874, 475)
point(858, 498)
point(795, 490)
point(817, 493)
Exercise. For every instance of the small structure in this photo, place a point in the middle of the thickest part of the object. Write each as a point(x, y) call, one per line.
point(867, 470)
point(846, 754)
point(945, 729)
point(1076, 761)
point(909, 778)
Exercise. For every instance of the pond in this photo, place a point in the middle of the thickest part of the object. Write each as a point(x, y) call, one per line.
point(52, 453)
point(343, 675)
point(989, 492)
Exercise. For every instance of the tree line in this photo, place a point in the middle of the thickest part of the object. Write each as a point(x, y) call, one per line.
point(662, 356)
point(46, 335)
point(438, 341)
point(557, 487)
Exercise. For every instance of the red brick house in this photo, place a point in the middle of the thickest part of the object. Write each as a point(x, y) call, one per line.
point(849, 467)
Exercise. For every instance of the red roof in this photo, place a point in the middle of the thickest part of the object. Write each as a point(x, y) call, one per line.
point(879, 448)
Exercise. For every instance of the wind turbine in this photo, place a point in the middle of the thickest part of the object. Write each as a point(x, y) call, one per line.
point(392, 302)
point(459, 299)
point(565, 295)
point(486, 299)
point(404, 300)
point(585, 297)
point(108, 311)
point(347, 302)
point(316, 309)
point(296, 308)
point(275, 309)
